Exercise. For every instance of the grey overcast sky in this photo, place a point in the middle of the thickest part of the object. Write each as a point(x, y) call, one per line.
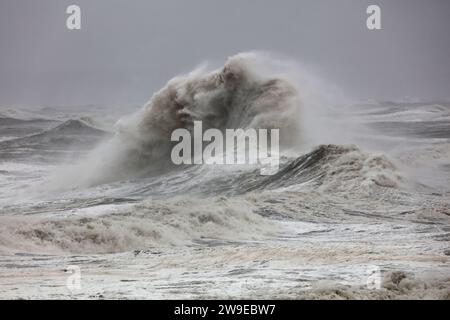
point(127, 49)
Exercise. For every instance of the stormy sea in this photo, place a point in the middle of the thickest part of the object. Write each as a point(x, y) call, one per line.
point(359, 207)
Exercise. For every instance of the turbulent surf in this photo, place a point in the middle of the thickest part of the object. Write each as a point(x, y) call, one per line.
point(361, 186)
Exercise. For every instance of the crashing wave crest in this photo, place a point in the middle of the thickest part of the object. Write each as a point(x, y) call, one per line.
point(239, 95)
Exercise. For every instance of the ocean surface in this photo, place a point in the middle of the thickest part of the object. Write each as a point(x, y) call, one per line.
point(360, 207)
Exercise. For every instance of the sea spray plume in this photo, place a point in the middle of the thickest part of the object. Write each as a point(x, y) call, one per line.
point(242, 94)
point(235, 96)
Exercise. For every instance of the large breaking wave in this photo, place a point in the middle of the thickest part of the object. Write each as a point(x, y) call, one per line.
point(239, 95)
point(252, 90)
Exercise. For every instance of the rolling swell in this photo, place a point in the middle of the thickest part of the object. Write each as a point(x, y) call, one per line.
point(69, 134)
point(11, 128)
point(334, 167)
point(327, 168)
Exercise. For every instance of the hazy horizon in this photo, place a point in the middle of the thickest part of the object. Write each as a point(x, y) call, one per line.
point(125, 52)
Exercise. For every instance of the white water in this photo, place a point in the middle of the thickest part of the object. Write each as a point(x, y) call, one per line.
point(107, 198)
